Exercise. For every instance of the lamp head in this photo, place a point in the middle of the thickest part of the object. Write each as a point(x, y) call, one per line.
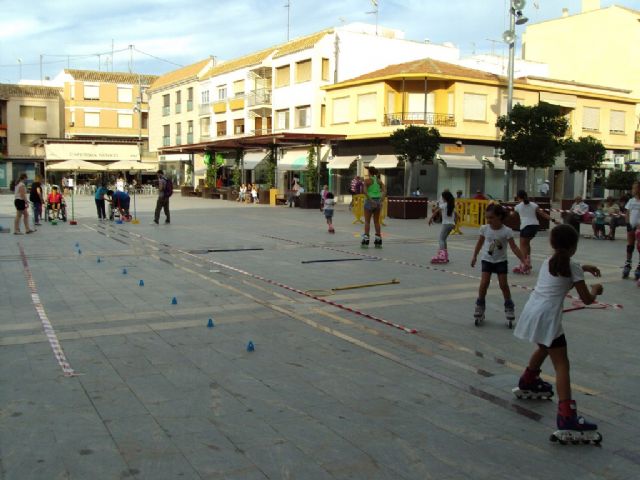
point(518, 4)
point(509, 36)
point(520, 18)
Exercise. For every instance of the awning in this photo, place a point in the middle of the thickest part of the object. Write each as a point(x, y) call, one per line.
point(500, 163)
point(295, 160)
point(560, 99)
point(176, 157)
point(341, 163)
point(384, 161)
point(467, 162)
point(251, 159)
point(76, 166)
point(91, 152)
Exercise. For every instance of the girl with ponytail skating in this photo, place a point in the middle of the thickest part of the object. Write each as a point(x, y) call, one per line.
point(529, 225)
point(541, 323)
point(447, 208)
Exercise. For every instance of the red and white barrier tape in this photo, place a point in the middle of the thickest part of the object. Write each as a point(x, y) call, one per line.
point(46, 324)
point(407, 201)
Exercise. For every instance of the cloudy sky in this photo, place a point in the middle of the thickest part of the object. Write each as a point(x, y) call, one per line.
point(80, 32)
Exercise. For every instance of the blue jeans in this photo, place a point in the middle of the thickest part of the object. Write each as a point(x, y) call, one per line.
point(37, 212)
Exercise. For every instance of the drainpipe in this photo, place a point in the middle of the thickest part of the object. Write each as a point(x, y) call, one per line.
point(336, 57)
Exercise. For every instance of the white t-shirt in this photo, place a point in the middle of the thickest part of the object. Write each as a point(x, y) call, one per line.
point(447, 219)
point(120, 185)
point(541, 317)
point(496, 243)
point(527, 214)
point(633, 206)
point(329, 203)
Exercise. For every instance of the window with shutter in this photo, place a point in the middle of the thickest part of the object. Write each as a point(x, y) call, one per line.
point(283, 76)
point(591, 119)
point(91, 91)
point(340, 110)
point(616, 122)
point(367, 106)
point(303, 71)
point(475, 107)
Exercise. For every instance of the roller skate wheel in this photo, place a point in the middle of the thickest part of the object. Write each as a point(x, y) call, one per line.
point(476, 322)
point(598, 439)
point(510, 324)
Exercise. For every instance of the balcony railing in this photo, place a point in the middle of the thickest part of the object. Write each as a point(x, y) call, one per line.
point(420, 118)
point(259, 97)
point(204, 108)
point(189, 138)
point(189, 105)
point(178, 139)
point(262, 131)
point(166, 141)
point(178, 107)
point(166, 110)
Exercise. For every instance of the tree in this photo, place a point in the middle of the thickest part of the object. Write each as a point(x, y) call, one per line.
point(532, 136)
point(620, 180)
point(311, 173)
point(415, 144)
point(584, 154)
point(237, 172)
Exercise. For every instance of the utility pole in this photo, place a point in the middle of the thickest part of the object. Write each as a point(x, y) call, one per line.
point(19, 69)
point(288, 7)
point(41, 69)
point(130, 58)
point(375, 11)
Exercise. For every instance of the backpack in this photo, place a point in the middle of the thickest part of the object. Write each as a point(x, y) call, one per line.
point(168, 188)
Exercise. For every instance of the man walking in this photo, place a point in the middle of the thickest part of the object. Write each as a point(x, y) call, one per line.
point(165, 190)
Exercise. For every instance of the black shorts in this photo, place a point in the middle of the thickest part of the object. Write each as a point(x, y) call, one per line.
point(558, 342)
point(529, 231)
point(500, 268)
point(20, 204)
point(630, 228)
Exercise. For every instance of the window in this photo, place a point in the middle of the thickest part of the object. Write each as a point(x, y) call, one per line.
point(165, 105)
point(367, 106)
point(166, 132)
point(282, 119)
point(222, 92)
point(205, 126)
point(451, 105)
point(26, 139)
point(340, 110)
point(323, 115)
point(475, 107)
point(283, 76)
point(303, 116)
point(238, 88)
point(125, 120)
point(91, 119)
point(125, 94)
point(204, 97)
point(189, 99)
point(238, 126)
point(190, 131)
point(33, 113)
point(325, 69)
point(616, 122)
point(221, 129)
point(591, 119)
point(145, 120)
point(178, 134)
point(178, 101)
point(303, 71)
point(416, 103)
point(92, 91)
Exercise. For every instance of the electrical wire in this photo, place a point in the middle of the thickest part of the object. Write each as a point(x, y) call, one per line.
point(157, 58)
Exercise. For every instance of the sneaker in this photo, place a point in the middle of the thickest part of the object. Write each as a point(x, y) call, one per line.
point(17, 233)
point(155, 222)
point(167, 222)
point(30, 231)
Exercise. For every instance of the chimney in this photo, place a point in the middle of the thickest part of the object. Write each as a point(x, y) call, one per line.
point(565, 12)
point(590, 5)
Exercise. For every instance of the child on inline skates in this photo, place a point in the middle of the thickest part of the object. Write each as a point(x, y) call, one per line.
point(632, 216)
point(374, 190)
point(541, 322)
point(494, 237)
point(528, 212)
point(447, 208)
point(329, 204)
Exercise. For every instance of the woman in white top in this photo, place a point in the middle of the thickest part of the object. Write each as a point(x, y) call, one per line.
point(447, 208)
point(529, 225)
point(21, 203)
point(632, 216)
point(541, 323)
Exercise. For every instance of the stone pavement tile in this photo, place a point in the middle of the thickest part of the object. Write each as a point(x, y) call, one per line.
point(160, 465)
point(133, 365)
point(247, 432)
point(139, 434)
point(117, 402)
point(93, 457)
point(34, 462)
point(208, 403)
point(210, 452)
point(285, 460)
point(154, 388)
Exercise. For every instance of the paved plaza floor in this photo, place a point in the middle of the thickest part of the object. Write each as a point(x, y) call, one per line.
point(335, 389)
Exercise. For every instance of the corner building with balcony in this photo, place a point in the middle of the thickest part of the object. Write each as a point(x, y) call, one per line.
point(464, 105)
point(278, 90)
point(28, 114)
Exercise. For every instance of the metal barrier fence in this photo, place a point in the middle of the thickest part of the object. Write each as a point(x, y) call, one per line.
point(470, 213)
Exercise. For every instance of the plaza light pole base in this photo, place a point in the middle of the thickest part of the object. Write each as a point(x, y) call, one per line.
point(135, 221)
point(73, 222)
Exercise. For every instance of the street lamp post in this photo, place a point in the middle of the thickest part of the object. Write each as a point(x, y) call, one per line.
point(515, 18)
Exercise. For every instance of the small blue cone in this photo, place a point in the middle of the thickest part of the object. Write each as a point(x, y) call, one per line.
point(124, 271)
point(210, 323)
point(141, 283)
point(174, 301)
point(250, 346)
point(77, 244)
point(98, 261)
point(79, 252)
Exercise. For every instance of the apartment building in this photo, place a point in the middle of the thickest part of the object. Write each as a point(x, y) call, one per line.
point(597, 45)
point(28, 114)
point(278, 89)
point(174, 119)
point(464, 105)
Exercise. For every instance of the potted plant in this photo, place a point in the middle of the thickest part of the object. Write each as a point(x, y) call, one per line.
point(310, 198)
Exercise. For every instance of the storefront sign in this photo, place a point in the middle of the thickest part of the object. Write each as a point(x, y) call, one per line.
point(89, 152)
point(454, 149)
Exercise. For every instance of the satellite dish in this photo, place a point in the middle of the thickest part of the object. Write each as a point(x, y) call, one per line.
point(509, 37)
point(518, 4)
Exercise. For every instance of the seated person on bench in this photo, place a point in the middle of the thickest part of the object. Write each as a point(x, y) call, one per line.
point(54, 201)
point(120, 200)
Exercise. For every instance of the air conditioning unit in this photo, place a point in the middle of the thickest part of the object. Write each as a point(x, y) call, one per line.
point(635, 156)
point(72, 124)
point(618, 159)
point(608, 156)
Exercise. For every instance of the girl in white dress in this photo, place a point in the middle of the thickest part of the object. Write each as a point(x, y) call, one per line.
point(528, 212)
point(541, 322)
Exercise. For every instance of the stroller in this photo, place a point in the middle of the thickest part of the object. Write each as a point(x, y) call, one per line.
point(62, 211)
point(118, 207)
